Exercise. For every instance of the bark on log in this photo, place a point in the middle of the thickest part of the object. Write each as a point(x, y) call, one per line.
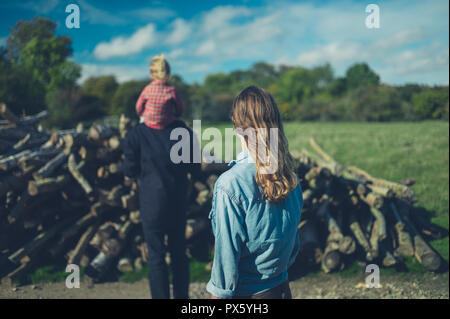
point(38, 242)
point(423, 252)
point(331, 259)
point(51, 166)
point(361, 238)
point(194, 227)
point(124, 125)
point(404, 240)
point(80, 248)
point(130, 201)
point(100, 132)
point(71, 232)
point(49, 184)
point(379, 216)
point(399, 189)
point(74, 169)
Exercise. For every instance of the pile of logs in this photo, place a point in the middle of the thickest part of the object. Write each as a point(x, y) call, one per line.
point(350, 215)
point(64, 199)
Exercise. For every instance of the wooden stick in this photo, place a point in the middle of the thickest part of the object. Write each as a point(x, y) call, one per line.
point(405, 244)
point(75, 171)
point(38, 242)
point(76, 254)
point(51, 166)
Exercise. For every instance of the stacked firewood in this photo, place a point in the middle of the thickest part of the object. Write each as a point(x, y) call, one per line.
point(64, 199)
point(350, 215)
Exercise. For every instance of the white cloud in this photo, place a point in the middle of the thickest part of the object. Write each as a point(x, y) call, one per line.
point(121, 72)
point(301, 33)
point(95, 15)
point(206, 48)
point(3, 41)
point(143, 38)
point(176, 53)
point(332, 53)
point(180, 33)
point(151, 13)
point(427, 59)
point(401, 38)
point(221, 16)
point(41, 7)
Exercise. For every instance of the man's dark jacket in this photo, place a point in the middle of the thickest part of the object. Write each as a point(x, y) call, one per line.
point(163, 184)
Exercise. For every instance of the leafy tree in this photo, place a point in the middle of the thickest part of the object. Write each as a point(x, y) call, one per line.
point(18, 89)
point(36, 70)
point(300, 84)
point(382, 103)
point(360, 75)
point(103, 88)
point(431, 103)
point(218, 83)
point(125, 97)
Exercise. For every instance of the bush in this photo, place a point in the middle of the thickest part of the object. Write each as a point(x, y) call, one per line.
point(431, 103)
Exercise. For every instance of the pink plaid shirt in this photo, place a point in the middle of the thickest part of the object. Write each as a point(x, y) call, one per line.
point(159, 104)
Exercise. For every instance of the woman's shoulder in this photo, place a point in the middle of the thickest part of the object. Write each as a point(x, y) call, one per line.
point(238, 183)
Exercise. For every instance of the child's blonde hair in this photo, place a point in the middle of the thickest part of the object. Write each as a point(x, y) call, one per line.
point(160, 68)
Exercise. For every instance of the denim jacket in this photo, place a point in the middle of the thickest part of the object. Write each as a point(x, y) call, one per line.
point(255, 241)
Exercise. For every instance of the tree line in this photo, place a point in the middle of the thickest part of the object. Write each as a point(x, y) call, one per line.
point(37, 72)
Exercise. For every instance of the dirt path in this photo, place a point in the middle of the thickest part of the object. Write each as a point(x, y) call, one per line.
point(317, 286)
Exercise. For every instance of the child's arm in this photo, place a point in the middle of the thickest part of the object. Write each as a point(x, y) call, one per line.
point(140, 104)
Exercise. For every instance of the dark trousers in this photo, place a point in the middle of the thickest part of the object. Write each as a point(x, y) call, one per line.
point(158, 270)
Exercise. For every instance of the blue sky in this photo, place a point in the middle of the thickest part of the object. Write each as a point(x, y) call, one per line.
point(203, 37)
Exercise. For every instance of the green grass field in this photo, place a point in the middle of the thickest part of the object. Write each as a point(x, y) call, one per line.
point(394, 151)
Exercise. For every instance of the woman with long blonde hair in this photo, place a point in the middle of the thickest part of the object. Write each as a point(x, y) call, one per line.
point(256, 206)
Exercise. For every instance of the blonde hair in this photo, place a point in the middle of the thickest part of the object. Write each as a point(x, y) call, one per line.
point(256, 109)
point(160, 68)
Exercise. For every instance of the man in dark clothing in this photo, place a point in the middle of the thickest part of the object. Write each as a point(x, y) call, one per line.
point(162, 196)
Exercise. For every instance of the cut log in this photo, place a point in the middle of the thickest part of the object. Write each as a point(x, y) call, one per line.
point(100, 132)
point(397, 188)
point(194, 227)
point(373, 200)
point(71, 232)
point(49, 184)
point(51, 166)
point(423, 252)
point(38, 242)
point(379, 216)
point(74, 169)
point(361, 238)
point(130, 201)
point(124, 125)
point(404, 240)
point(80, 248)
point(331, 258)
